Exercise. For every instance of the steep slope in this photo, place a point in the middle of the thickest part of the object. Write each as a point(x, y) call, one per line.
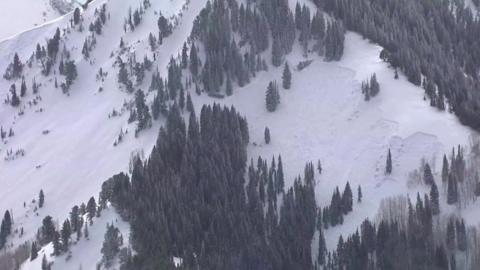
point(21, 15)
point(322, 117)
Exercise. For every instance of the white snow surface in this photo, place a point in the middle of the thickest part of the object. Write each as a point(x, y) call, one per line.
point(322, 117)
point(20, 15)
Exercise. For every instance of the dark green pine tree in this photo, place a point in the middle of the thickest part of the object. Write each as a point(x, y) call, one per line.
point(57, 246)
point(33, 251)
point(267, 135)
point(272, 98)
point(445, 170)
point(66, 234)
point(111, 244)
point(184, 56)
point(76, 16)
point(47, 230)
point(181, 99)
point(5, 229)
point(434, 199)
point(347, 199)
point(322, 247)
point(41, 199)
point(450, 239)
point(286, 77)
point(194, 61)
point(23, 88)
point(190, 107)
point(229, 86)
point(388, 167)
point(91, 209)
point(45, 265)
point(452, 189)
point(280, 177)
point(359, 194)
point(15, 101)
point(427, 175)
point(477, 185)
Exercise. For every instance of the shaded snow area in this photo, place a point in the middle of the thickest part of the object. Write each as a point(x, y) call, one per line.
point(324, 116)
point(67, 140)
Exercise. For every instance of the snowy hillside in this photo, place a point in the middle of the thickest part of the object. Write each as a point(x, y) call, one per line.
point(63, 144)
point(21, 15)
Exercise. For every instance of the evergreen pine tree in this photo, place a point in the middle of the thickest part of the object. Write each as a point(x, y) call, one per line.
point(287, 77)
point(91, 209)
point(388, 168)
point(434, 199)
point(452, 190)
point(359, 194)
point(267, 135)
point(45, 265)
point(445, 170)
point(66, 234)
point(272, 97)
point(23, 88)
point(41, 199)
point(33, 251)
point(427, 175)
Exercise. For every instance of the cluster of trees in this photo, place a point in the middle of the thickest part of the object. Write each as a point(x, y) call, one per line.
point(165, 28)
point(195, 199)
point(430, 38)
point(403, 242)
point(141, 113)
point(14, 99)
point(341, 204)
point(453, 175)
point(111, 245)
point(100, 20)
point(370, 88)
point(135, 18)
point(14, 69)
point(75, 225)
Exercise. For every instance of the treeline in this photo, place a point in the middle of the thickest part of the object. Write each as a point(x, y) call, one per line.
point(195, 199)
point(414, 241)
point(436, 39)
point(258, 24)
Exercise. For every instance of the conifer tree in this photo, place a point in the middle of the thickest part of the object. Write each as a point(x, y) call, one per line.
point(452, 189)
point(33, 251)
point(359, 194)
point(15, 100)
point(427, 175)
point(272, 97)
point(445, 170)
point(41, 199)
point(388, 167)
point(91, 209)
point(267, 135)
point(45, 265)
point(23, 88)
point(347, 199)
point(287, 77)
point(66, 234)
point(434, 199)
point(76, 16)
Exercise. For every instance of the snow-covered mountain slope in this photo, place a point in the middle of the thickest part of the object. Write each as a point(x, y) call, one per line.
point(77, 155)
point(324, 116)
point(68, 140)
point(21, 15)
